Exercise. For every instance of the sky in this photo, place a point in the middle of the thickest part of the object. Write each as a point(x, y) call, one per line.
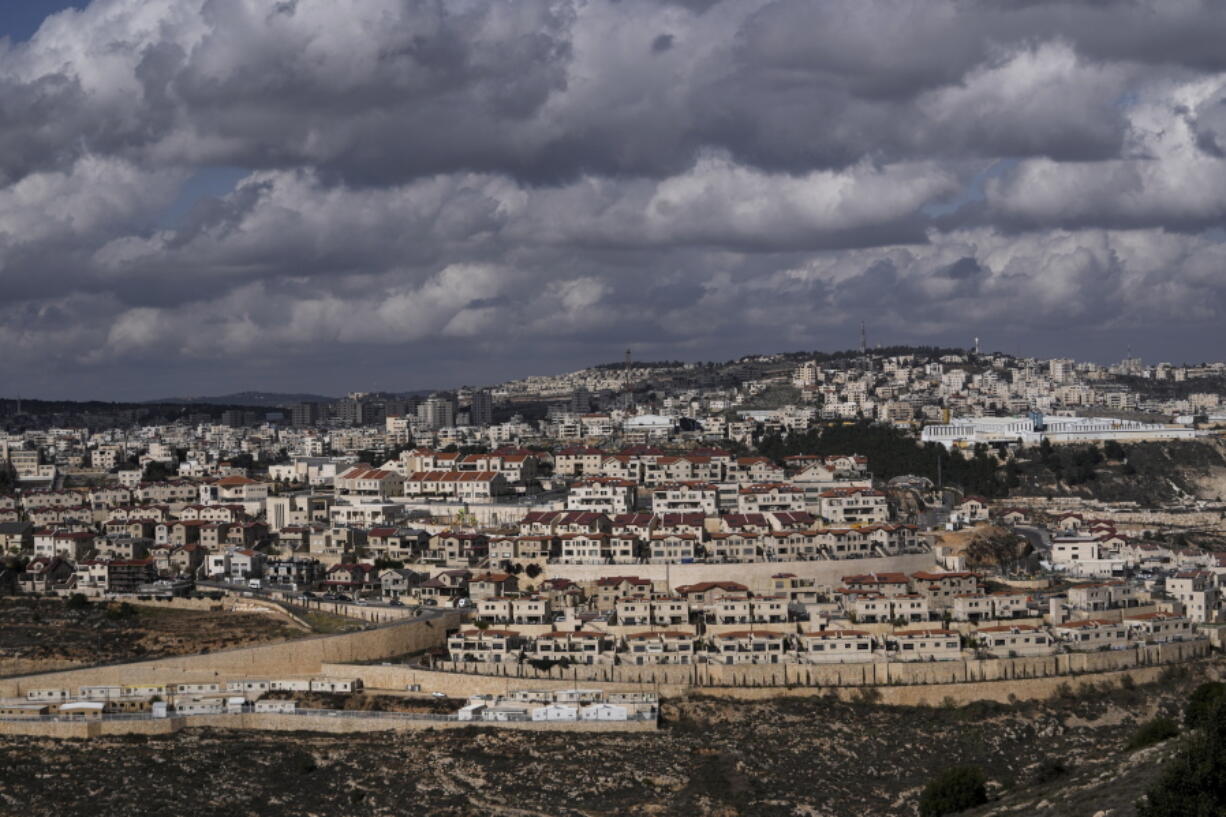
point(206, 196)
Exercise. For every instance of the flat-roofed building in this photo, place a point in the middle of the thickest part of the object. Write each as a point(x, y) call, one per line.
point(924, 645)
point(1160, 627)
point(1013, 640)
point(834, 647)
point(659, 647)
point(1091, 634)
point(749, 647)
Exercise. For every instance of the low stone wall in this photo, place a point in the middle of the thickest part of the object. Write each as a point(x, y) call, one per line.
point(680, 679)
point(235, 604)
point(303, 656)
point(1178, 518)
point(343, 725)
point(180, 603)
point(274, 722)
point(1029, 689)
point(362, 612)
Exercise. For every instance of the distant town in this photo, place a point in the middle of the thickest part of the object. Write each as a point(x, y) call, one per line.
point(870, 508)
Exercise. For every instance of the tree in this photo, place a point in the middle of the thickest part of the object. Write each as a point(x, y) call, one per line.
point(1201, 703)
point(533, 570)
point(955, 789)
point(157, 471)
point(77, 601)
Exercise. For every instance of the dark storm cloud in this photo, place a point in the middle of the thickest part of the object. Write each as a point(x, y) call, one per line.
point(518, 179)
point(407, 89)
point(962, 269)
point(662, 42)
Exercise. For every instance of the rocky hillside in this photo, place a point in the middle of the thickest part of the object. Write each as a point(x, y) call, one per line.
point(40, 635)
point(1148, 473)
point(806, 757)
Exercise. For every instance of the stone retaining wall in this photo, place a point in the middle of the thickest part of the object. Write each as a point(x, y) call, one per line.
point(303, 656)
point(682, 679)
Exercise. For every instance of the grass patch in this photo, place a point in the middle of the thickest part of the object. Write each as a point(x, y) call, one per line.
point(329, 624)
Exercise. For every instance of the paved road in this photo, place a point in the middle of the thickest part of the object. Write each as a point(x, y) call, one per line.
point(1040, 543)
point(328, 605)
point(1039, 538)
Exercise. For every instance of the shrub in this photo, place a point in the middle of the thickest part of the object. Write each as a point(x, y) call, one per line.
point(77, 601)
point(955, 789)
point(121, 610)
point(1151, 732)
point(1202, 702)
point(1049, 770)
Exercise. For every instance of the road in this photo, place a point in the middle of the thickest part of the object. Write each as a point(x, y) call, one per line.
point(1040, 544)
point(1039, 538)
point(341, 608)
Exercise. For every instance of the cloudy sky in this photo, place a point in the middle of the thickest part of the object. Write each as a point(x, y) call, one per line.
point(202, 196)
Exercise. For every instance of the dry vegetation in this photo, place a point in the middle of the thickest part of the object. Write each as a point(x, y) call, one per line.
point(44, 634)
point(812, 757)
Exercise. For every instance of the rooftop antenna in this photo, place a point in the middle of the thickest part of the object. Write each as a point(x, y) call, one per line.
point(627, 360)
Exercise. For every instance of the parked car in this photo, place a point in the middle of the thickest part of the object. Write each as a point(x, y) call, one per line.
point(395, 603)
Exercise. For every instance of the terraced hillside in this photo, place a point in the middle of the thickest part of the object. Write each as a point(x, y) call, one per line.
point(787, 757)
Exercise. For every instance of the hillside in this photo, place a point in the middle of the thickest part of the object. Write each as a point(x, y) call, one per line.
point(1107, 784)
point(257, 399)
point(814, 757)
point(1147, 473)
point(40, 635)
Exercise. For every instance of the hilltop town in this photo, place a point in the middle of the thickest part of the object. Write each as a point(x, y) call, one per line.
point(629, 470)
point(911, 528)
